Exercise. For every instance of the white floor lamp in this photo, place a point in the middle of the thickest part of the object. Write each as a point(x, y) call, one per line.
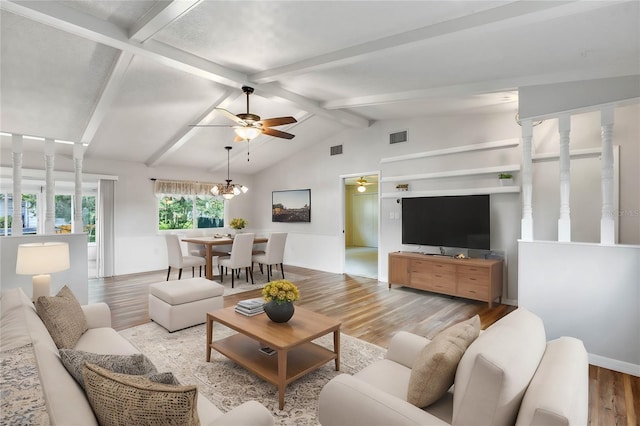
point(40, 260)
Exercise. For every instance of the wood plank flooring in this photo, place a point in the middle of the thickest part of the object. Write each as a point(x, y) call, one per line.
point(370, 311)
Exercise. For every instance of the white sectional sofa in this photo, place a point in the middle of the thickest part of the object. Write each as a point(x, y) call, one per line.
point(64, 400)
point(509, 375)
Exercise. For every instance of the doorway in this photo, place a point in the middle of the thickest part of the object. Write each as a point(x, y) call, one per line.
point(361, 225)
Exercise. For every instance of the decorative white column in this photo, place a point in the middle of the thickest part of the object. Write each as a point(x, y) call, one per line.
point(607, 222)
point(16, 219)
point(564, 223)
point(526, 226)
point(78, 152)
point(50, 213)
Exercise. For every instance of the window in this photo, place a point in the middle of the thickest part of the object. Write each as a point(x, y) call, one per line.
point(89, 217)
point(29, 213)
point(63, 208)
point(190, 212)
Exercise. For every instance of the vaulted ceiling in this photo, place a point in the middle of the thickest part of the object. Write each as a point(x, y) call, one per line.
point(128, 78)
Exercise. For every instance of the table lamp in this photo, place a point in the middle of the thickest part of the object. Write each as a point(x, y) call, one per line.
point(40, 260)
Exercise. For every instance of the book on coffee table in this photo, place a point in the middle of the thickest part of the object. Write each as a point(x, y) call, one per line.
point(249, 312)
point(250, 307)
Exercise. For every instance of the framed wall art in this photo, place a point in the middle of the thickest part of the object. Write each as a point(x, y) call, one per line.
point(291, 206)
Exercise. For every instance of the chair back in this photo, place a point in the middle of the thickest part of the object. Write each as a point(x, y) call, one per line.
point(174, 251)
point(241, 251)
point(274, 252)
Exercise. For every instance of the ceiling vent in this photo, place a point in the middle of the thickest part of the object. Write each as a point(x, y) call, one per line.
point(398, 137)
point(336, 150)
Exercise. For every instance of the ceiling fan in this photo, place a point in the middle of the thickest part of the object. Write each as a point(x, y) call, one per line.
point(249, 126)
point(361, 184)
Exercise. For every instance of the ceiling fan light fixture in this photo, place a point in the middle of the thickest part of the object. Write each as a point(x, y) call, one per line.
point(247, 132)
point(361, 188)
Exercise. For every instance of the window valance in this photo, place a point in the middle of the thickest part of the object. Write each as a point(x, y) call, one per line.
point(182, 187)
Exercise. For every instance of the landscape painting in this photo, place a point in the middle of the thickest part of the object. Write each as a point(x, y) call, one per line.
point(291, 206)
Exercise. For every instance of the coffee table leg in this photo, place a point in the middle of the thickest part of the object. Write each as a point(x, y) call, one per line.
point(209, 337)
point(336, 347)
point(282, 377)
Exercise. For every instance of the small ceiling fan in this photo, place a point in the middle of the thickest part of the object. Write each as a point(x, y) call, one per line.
point(361, 184)
point(249, 126)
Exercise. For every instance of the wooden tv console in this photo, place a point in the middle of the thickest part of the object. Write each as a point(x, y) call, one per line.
point(478, 279)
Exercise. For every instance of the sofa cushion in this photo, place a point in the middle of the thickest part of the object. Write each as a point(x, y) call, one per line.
point(63, 317)
point(496, 369)
point(435, 367)
point(125, 399)
point(136, 364)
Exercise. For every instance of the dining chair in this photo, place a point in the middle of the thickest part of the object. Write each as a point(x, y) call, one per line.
point(240, 257)
point(177, 260)
point(273, 254)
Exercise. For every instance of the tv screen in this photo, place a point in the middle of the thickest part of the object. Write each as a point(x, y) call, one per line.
point(450, 221)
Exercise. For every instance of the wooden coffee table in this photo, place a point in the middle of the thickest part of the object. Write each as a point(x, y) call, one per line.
point(296, 354)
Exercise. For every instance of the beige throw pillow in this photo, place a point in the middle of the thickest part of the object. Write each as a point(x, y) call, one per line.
point(122, 399)
point(63, 317)
point(136, 364)
point(435, 367)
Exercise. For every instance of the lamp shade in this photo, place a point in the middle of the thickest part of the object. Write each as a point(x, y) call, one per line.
point(42, 258)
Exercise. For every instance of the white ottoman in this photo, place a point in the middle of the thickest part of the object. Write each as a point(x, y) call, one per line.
point(183, 303)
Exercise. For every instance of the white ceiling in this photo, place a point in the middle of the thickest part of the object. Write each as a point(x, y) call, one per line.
point(129, 77)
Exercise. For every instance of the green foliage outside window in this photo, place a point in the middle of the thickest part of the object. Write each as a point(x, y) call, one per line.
point(89, 217)
point(176, 212)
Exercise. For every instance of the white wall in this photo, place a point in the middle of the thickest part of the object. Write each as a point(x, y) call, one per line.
point(595, 301)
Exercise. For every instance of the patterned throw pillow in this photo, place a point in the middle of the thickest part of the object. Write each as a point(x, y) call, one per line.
point(435, 367)
point(63, 317)
point(119, 399)
point(136, 364)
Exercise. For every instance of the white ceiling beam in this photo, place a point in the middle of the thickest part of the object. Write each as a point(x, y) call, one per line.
point(480, 87)
point(276, 91)
point(514, 13)
point(91, 28)
point(161, 14)
point(108, 95)
point(175, 143)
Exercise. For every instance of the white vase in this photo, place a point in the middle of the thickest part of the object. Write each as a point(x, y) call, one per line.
point(506, 182)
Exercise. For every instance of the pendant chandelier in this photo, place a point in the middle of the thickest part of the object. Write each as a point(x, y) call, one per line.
point(228, 190)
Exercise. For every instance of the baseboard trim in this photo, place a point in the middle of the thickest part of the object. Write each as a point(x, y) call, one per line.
point(615, 365)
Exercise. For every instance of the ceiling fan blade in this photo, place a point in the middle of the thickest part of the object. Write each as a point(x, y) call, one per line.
point(278, 121)
point(277, 133)
point(231, 116)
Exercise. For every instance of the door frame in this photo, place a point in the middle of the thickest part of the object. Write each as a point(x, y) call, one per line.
point(341, 223)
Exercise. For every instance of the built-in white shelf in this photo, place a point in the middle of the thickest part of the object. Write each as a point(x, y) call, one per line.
point(574, 153)
point(454, 173)
point(507, 143)
point(457, 191)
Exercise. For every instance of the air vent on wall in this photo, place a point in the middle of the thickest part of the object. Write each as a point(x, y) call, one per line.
point(398, 137)
point(336, 150)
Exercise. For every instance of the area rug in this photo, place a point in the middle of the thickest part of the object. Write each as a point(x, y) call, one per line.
point(259, 281)
point(228, 385)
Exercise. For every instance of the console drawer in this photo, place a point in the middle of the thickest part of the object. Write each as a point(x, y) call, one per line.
point(442, 282)
point(474, 270)
point(473, 291)
point(473, 279)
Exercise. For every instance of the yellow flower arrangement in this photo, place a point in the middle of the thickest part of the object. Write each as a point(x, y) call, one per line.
point(238, 223)
point(280, 291)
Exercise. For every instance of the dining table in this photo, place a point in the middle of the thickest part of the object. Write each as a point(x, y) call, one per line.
point(210, 242)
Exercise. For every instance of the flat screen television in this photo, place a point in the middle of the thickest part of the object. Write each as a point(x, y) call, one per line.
point(449, 221)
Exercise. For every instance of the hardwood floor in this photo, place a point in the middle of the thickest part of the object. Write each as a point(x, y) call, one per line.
point(370, 311)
